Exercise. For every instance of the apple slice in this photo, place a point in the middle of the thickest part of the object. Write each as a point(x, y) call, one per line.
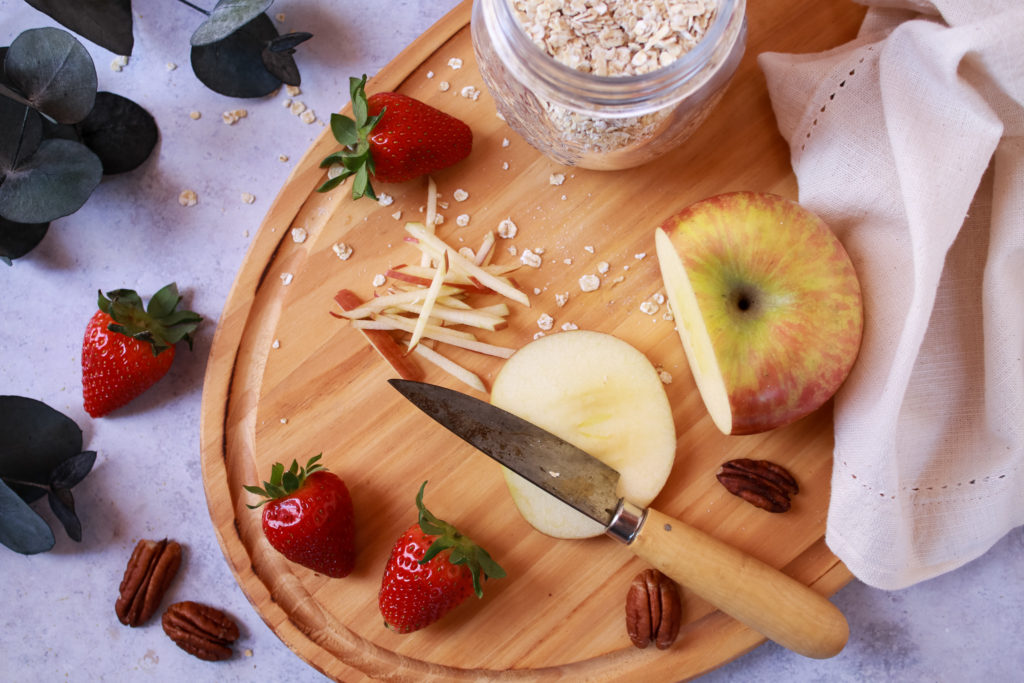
point(767, 304)
point(600, 394)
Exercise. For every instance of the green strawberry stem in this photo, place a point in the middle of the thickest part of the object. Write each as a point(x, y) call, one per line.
point(284, 482)
point(463, 550)
point(160, 323)
point(355, 158)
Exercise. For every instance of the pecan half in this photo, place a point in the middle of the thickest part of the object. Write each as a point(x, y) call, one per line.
point(653, 610)
point(759, 482)
point(200, 630)
point(150, 570)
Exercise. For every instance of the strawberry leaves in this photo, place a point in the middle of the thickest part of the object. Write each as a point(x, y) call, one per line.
point(355, 159)
point(463, 550)
point(284, 482)
point(159, 323)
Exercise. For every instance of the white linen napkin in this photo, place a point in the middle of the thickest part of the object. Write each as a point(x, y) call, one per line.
point(909, 142)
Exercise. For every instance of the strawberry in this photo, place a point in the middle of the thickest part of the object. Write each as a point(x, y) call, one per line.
point(309, 517)
point(431, 570)
point(393, 138)
point(127, 349)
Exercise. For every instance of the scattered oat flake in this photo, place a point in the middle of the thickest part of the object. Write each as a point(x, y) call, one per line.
point(444, 86)
point(120, 62)
point(297, 107)
point(232, 117)
point(665, 376)
point(286, 103)
point(276, 344)
point(470, 93)
point(397, 215)
point(171, 66)
point(512, 249)
point(279, 16)
point(538, 335)
point(556, 178)
point(248, 197)
point(299, 235)
point(545, 321)
point(282, 158)
point(188, 198)
point(589, 283)
point(537, 291)
point(649, 307)
point(379, 280)
point(569, 327)
point(455, 63)
point(430, 74)
point(589, 249)
point(438, 219)
point(505, 142)
point(286, 278)
point(342, 250)
point(195, 115)
point(567, 261)
point(530, 258)
point(658, 298)
point(667, 315)
point(603, 267)
point(639, 257)
point(561, 299)
point(504, 165)
point(385, 199)
point(462, 220)
point(308, 116)
point(507, 229)
point(460, 195)
point(293, 90)
point(467, 253)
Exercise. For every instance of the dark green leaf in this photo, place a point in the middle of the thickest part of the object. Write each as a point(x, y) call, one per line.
point(289, 41)
point(63, 505)
point(164, 301)
point(332, 183)
point(72, 470)
point(17, 239)
point(226, 18)
point(234, 66)
point(21, 528)
point(119, 131)
point(53, 182)
point(282, 65)
point(54, 72)
point(357, 94)
point(21, 131)
point(344, 130)
point(108, 23)
point(60, 131)
point(34, 439)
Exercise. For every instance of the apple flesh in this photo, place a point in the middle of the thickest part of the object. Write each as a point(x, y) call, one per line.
point(767, 304)
point(600, 394)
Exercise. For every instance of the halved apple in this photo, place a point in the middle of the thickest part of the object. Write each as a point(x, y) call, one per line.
point(767, 304)
point(600, 394)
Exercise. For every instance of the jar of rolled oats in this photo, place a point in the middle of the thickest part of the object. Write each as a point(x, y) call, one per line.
point(607, 84)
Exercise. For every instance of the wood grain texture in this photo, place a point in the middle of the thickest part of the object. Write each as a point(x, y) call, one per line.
point(560, 614)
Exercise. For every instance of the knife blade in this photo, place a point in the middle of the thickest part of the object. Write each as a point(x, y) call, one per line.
point(755, 593)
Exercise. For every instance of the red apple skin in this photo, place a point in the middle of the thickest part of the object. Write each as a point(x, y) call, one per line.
point(789, 348)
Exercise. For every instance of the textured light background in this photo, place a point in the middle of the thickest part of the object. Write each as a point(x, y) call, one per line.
point(57, 620)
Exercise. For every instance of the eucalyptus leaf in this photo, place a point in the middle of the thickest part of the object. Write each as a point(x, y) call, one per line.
point(34, 439)
point(119, 131)
point(282, 65)
point(21, 131)
point(17, 239)
point(63, 505)
point(73, 470)
point(54, 182)
point(108, 23)
point(226, 18)
point(21, 528)
point(234, 66)
point(54, 72)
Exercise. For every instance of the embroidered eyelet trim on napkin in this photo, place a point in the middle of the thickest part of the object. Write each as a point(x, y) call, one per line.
point(831, 98)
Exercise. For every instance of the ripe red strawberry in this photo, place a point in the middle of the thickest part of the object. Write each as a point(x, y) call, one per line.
point(309, 517)
point(432, 569)
point(393, 138)
point(127, 348)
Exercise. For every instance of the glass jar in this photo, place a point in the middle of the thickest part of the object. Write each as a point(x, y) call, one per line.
point(603, 121)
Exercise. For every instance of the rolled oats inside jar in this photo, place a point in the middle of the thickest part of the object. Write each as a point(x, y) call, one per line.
point(607, 83)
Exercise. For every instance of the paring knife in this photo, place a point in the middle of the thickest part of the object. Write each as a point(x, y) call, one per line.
point(772, 603)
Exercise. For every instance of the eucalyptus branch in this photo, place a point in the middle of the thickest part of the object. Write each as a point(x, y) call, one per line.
point(196, 8)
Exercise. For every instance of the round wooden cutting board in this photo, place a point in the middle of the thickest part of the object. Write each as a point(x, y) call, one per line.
point(288, 380)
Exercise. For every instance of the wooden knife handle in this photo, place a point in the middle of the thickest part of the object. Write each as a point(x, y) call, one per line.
point(762, 597)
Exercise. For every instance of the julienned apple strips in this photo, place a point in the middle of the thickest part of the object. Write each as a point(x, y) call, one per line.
point(435, 292)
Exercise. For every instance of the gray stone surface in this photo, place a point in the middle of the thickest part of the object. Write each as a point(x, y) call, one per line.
point(57, 621)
